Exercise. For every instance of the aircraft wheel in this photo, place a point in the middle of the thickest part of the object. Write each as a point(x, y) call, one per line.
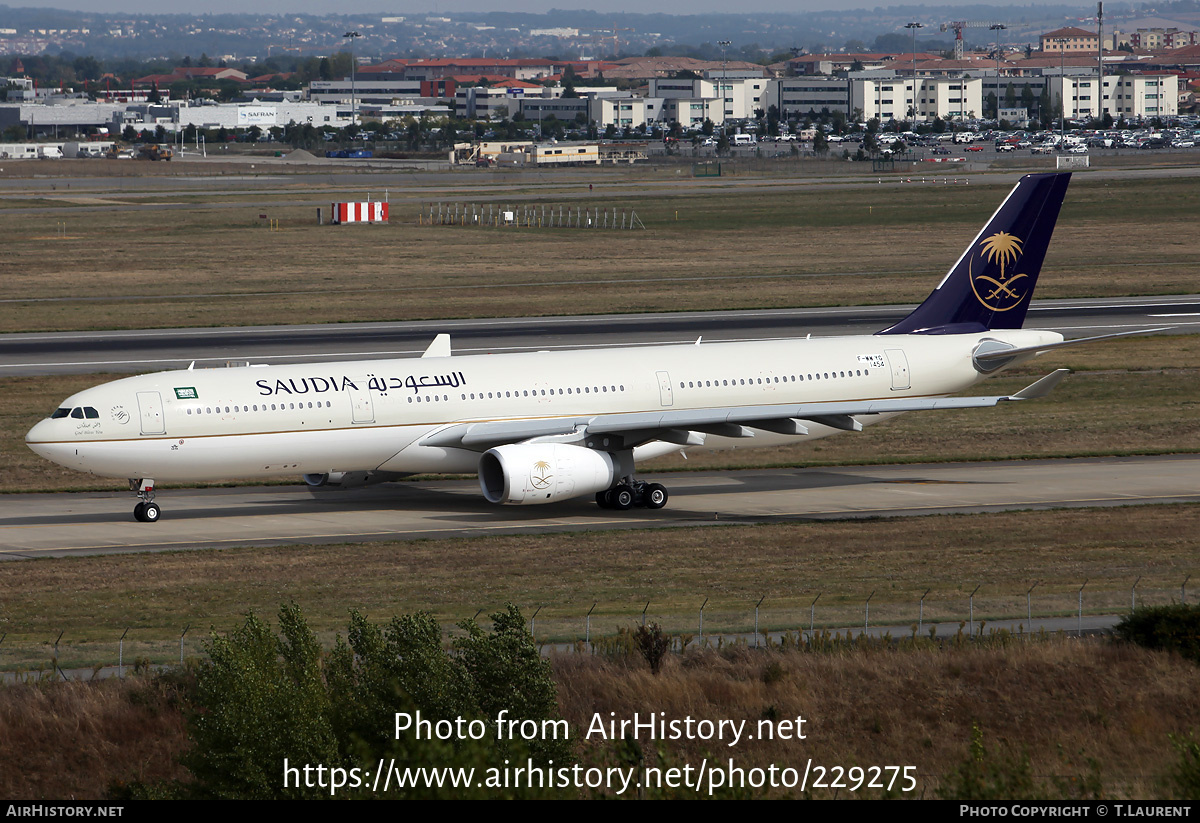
point(602, 499)
point(150, 513)
point(656, 496)
point(621, 498)
point(139, 512)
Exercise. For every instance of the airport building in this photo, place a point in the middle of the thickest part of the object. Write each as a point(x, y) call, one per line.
point(719, 95)
point(59, 118)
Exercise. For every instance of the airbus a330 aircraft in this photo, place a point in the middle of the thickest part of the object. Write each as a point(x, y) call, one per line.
point(546, 426)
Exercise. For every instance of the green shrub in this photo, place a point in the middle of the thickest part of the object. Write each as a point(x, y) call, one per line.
point(1169, 628)
point(1184, 778)
point(262, 700)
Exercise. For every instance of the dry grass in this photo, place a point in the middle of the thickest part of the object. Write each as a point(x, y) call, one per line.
point(736, 247)
point(1062, 702)
point(1089, 715)
point(74, 740)
point(95, 598)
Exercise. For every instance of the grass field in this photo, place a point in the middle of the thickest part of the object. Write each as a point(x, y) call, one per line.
point(213, 262)
point(93, 599)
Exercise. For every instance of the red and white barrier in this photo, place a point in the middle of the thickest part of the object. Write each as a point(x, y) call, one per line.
point(365, 212)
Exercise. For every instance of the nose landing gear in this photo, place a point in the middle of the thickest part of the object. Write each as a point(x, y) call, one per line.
point(146, 511)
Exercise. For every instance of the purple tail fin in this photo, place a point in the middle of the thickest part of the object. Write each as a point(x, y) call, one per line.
point(991, 285)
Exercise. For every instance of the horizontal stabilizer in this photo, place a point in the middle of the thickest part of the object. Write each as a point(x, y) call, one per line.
point(1008, 354)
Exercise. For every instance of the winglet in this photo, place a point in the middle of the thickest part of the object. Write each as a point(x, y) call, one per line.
point(1042, 387)
point(440, 347)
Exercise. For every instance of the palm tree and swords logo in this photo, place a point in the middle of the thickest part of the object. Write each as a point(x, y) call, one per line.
point(999, 294)
point(540, 477)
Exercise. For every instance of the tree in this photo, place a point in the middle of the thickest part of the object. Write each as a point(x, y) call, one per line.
point(992, 106)
point(820, 144)
point(1045, 112)
point(259, 701)
point(1010, 97)
point(262, 700)
point(1027, 99)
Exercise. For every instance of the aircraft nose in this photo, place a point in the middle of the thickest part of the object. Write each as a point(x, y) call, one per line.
point(45, 441)
point(40, 433)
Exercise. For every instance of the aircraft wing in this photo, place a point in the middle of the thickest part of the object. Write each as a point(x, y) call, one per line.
point(687, 427)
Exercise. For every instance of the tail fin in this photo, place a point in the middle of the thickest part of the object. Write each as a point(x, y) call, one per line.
point(991, 285)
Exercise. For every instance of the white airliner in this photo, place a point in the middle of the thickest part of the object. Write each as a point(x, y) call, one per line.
point(547, 426)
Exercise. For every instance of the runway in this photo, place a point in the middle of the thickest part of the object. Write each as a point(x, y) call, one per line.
point(51, 525)
point(163, 349)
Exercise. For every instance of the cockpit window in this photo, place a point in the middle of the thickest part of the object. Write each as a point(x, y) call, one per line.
point(57, 413)
point(77, 412)
point(90, 413)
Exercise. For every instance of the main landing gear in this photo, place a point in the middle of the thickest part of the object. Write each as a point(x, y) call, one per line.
point(146, 511)
point(629, 493)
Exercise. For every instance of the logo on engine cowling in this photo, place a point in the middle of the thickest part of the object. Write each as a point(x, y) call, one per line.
point(540, 476)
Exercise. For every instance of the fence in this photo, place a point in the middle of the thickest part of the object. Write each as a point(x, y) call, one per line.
point(491, 215)
point(798, 617)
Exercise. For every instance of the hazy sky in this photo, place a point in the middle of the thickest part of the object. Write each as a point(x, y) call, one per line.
point(459, 6)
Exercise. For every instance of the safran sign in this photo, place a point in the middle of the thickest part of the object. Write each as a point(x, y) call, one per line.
point(187, 393)
point(256, 115)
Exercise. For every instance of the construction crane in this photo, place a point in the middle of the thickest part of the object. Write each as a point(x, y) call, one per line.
point(958, 26)
point(604, 35)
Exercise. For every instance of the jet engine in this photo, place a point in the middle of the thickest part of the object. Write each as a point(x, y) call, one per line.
point(531, 473)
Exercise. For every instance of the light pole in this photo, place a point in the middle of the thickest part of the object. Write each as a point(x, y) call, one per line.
point(914, 26)
point(353, 103)
point(997, 27)
point(724, 44)
point(1062, 109)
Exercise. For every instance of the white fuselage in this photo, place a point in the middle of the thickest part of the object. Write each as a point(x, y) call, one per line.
point(265, 421)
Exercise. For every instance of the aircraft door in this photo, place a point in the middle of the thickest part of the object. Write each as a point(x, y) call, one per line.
point(363, 410)
point(665, 396)
point(899, 364)
point(150, 410)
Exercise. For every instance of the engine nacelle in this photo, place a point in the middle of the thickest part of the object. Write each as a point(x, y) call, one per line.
point(531, 473)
